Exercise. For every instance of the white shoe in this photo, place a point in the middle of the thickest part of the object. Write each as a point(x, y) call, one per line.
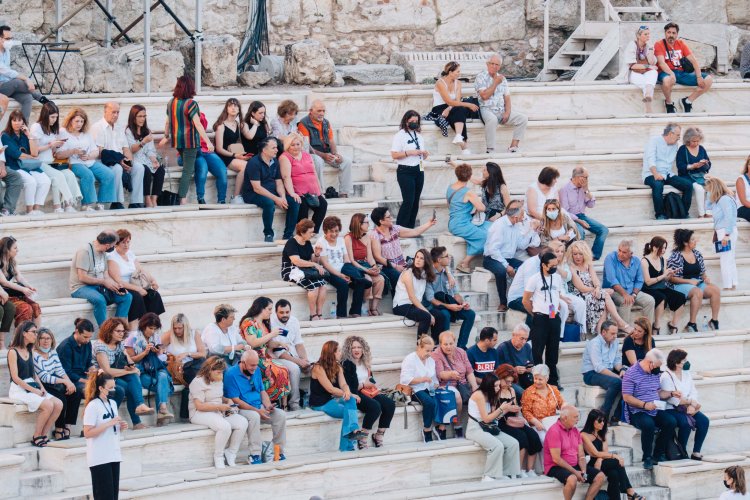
point(488, 479)
point(35, 212)
point(237, 200)
point(531, 473)
point(99, 206)
point(514, 149)
point(522, 475)
point(458, 139)
point(59, 210)
point(219, 463)
point(88, 208)
point(465, 152)
point(231, 457)
point(71, 209)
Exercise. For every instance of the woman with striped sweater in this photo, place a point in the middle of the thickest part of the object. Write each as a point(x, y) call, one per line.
point(54, 379)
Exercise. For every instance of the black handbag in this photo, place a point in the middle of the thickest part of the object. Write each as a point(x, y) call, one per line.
point(120, 362)
point(311, 273)
point(685, 64)
point(311, 200)
point(674, 449)
point(167, 197)
point(492, 428)
point(151, 364)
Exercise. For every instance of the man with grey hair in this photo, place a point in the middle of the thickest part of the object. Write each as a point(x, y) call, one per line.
point(495, 106)
point(623, 273)
point(506, 243)
point(318, 132)
point(517, 353)
point(644, 408)
point(115, 153)
point(575, 198)
point(601, 368)
point(658, 159)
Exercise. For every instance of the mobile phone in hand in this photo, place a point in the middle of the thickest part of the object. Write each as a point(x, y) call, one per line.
point(434, 214)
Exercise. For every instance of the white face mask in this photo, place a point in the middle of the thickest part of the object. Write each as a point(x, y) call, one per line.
point(552, 214)
point(9, 44)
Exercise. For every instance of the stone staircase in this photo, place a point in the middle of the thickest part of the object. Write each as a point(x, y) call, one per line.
point(212, 253)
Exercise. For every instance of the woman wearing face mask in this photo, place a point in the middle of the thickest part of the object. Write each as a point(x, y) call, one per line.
point(408, 149)
point(734, 479)
point(557, 225)
point(678, 388)
point(541, 299)
point(101, 428)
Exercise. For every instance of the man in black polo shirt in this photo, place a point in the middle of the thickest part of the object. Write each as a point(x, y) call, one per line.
point(262, 186)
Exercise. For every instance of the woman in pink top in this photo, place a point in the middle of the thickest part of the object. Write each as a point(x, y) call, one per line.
point(300, 180)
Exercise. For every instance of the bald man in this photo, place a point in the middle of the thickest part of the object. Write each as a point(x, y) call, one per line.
point(495, 106)
point(109, 137)
point(243, 384)
point(319, 134)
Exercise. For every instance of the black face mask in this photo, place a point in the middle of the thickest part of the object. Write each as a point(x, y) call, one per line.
point(247, 373)
point(552, 270)
point(686, 366)
point(110, 250)
point(413, 125)
point(656, 370)
point(726, 485)
point(111, 394)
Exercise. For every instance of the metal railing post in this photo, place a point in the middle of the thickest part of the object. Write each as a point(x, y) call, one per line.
point(546, 33)
point(58, 20)
point(583, 11)
point(147, 46)
point(108, 27)
point(198, 40)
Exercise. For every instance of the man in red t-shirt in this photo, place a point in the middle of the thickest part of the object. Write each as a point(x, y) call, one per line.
point(669, 55)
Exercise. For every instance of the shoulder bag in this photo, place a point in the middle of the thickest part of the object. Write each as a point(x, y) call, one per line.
point(29, 164)
point(370, 392)
point(141, 279)
point(492, 427)
point(684, 63)
point(697, 177)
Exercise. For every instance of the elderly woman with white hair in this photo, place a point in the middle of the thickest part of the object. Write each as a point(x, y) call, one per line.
point(541, 403)
point(693, 165)
point(641, 65)
point(644, 408)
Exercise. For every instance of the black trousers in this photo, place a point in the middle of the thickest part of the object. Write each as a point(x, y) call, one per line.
point(380, 408)
point(411, 181)
point(71, 402)
point(545, 339)
point(189, 372)
point(105, 481)
point(457, 114)
point(319, 213)
point(153, 182)
point(412, 312)
point(617, 478)
point(141, 305)
point(744, 212)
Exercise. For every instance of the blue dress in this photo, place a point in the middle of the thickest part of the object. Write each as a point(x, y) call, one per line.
point(459, 223)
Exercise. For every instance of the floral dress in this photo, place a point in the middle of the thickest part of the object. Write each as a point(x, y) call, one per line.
point(594, 307)
point(275, 376)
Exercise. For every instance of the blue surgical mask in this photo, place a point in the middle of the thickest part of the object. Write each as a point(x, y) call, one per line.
point(552, 214)
point(45, 350)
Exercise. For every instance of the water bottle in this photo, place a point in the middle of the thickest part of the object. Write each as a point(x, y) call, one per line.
point(704, 324)
point(333, 310)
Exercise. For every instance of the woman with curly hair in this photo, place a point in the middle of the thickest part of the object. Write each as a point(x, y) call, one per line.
point(357, 365)
point(255, 327)
point(330, 394)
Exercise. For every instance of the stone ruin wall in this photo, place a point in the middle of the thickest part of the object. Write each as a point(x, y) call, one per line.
point(353, 31)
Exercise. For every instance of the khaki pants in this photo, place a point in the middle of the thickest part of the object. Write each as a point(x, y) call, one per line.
point(278, 428)
point(645, 301)
point(516, 120)
point(503, 457)
point(228, 430)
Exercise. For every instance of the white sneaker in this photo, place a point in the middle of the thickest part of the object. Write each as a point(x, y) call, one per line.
point(231, 457)
point(522, 475)
point(458, 139)
point(88, 208)
point(488, 479)
point(531, 473)
point(514, 149)
point(35, 212)
point(99, 206)
point(237, 200)
point(465, 152)
point(70, 209)
point(219, 463)
point(59, 210)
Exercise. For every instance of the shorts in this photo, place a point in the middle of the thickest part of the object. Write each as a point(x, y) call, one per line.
point(562, 475)
point(683, 78)
point(684, 288)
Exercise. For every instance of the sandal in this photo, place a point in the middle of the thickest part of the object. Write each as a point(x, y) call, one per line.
point(377, 438)
point(39, 441)
point(672, 329)
point(66, 433)
point(635, 496)
point(373, 312)
point(58, 435)
point(314, 316)
point(362, 443)
point(463, 269)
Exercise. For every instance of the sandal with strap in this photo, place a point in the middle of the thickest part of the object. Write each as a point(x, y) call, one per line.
point(635, 496)
point(66, 433)
point(39, 441)
point(672, 329)
point(58, 435)
point(362, 443)
point(377, 438)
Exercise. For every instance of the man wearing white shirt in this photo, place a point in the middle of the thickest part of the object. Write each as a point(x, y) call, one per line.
point(223, 338)
point(293, 355)
point(507, 241)
point(110, 137)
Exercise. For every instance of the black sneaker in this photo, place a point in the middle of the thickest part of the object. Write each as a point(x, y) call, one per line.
point(648, 463)
point(43, 100)
point(670, 107)
point(691, 328)
point(458, 431)
point(442, 434)
point(116, 206)
point(713, 324)
point(427, 436)
point(201, 201)
point(686, 106)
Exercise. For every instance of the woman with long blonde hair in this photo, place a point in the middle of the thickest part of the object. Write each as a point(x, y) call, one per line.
point(724, 206)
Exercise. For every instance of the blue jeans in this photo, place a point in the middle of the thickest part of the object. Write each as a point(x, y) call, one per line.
point(391, 275)
point(613, 386)
point(657, 191)
point(162, 386)
point(596, 228)
point(683, 431)
point(346, 410)
point(100, 298)
point(443, 318)
point(666, 424)
point(269, 209)
point(358, 286)
point(102, 173)
point(517, 305)
point(210, 162)
point(429, 407)
point(131, 386)
point(501, 275)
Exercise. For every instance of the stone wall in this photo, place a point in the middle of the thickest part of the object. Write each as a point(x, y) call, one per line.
point(353, 31)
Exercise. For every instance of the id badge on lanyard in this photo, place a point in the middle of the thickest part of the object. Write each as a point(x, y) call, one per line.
point(415, 139)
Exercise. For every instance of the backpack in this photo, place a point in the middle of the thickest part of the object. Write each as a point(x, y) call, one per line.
point(673, 206)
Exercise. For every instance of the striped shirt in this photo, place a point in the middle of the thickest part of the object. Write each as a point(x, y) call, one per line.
point(49, 370)
point(641, 385)
point(181, 128)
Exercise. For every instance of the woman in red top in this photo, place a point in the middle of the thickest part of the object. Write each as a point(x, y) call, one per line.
point(359, 249)
point(300, 180)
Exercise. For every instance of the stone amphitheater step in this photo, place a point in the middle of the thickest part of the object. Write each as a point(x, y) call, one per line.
point(605, 169)
point(690, 480)
point(10, 471)
point(158, 229)
point(370, 142)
